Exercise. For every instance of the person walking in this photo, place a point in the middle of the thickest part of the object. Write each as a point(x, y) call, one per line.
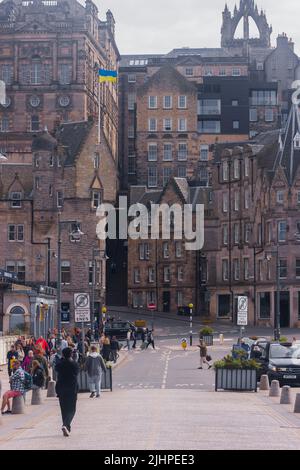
point(94, 367)
point(17, 386)
point(38, 377)
point(106, 348)
point(150, 339)
point(203, 355)
point(20, 351)
point(67, 388)
point(39, 356)
point(27, 363)
point(114, 347)
point(128, 338)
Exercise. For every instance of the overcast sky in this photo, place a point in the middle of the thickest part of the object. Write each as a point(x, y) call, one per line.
point(157, 26)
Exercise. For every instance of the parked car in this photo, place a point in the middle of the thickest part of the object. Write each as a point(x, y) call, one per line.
point(280, 361)
point(118, 329)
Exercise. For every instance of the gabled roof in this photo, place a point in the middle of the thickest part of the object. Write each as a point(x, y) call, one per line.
point(166, 75)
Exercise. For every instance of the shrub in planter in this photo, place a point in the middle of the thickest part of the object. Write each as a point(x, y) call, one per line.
point(236, 374)
point(283, 339)
point(207, 335)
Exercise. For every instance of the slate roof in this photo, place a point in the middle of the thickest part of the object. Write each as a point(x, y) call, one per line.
point(43, 141)
point(73, 136)
point(166, 75)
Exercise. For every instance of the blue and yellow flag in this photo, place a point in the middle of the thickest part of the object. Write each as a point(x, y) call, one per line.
point(107, 75)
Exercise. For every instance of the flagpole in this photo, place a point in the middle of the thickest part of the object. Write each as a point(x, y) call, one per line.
point(99, 114)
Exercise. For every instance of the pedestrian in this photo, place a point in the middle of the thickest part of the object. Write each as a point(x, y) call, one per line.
point(67, 388)
point(203, 355)
point(128, 338)
point(39, 356)
point(150, 339)
point(38, 377)
point(27, 363)
point(43, 344)
point(17, 386)
point(133, 335)
point(11, 357)
point(114, 347)
point(20, 351)
point(94, 367)
point(106, 348)
point(54, 360)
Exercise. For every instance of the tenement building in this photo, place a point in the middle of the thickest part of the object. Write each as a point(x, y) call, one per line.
point(57, 166)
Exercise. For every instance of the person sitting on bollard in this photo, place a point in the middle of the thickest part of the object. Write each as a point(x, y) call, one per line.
point(38, 377)
point(17, 387)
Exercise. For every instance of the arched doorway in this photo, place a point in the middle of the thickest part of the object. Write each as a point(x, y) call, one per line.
point(17, 320)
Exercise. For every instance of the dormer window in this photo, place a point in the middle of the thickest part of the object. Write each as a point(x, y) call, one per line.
point(16, 200)
point(96, 199)
point(297, 141)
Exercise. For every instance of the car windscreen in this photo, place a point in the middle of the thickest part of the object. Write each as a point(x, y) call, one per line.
point(277, 351)
point(117, 326)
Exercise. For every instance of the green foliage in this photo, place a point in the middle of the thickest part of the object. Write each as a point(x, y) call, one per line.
point(283, 339)
point(240, 363)
point(206, 331)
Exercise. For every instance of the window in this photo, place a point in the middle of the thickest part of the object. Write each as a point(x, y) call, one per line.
point(152, 102)
point(64, 101)
point(225, 271)
point(180, 299)
point(152, 177)
point(50, 190)
point(96, 161)
point(131, 78)
point(75, 229)
point(269, 232)
point(181, 172)
point(144, 251)
point(236, 201)
point(167, 102)
point(178, 249)
point(253, 115)
point(137, 300)
point(4, 124)
point(298, 268)
point(203, 176)
point(131, 165)
point(180, 274)
point(209, 107)
point(283, 269)
point(247, 233)
point(225, 168)
point(280, 197)
point(259, 234)
point(260, 66)
point(236, 124)
point(236, 269)
point(261, 270)
point(236, 234)
point(204, 152)
point(131, 101)
point(167, 174)
point(152, 152)
point(263, 98)
point(182, 125)
point(225, 234)
point(234, 103)
point(66, 272)
point(236, 167)
point(59, 199)
point(247, 198)
point(11, 266)
point(65, 74)
point(236, 72)
point(152, 125)
point(16, 233)
point(137, 276)
point(222, 72)
point(264, 305)
point(189, 72)
point(225, 203)
point(131, 132)
point(209, 127)
point(182, 151)
point(96, 199)
point(223, 306)
point(182, 102)
point(167, 126)
point(167, 274)
point(7, 74)
point(269, 115)
point(16, 200)
point(166, 252)
point(282, 231)
point(151, 275)
point(298, 197)
point(168, 152)
point(208, 73)
point(35, 123)
point(246, 269)
point(246, 166)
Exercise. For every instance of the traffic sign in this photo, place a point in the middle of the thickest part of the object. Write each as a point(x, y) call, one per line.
point(82, 316)
point(152, 306)
point(82, 308)
point(82, 301)
point(242, 311)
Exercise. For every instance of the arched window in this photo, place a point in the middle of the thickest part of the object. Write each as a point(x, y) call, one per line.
point(17, 319)
point(35, 123)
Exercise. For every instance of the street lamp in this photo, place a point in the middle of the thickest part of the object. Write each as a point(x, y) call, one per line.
point(96, 251)
point(268, 257)
point(191, 306)
point(76, 234)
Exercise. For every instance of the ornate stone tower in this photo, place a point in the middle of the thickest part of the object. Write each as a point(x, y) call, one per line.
point(247, 9)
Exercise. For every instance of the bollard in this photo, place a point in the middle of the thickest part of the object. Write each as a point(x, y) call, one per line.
point(18, 406)
point(221, 339)
point(297, 404)
point(264, 383)
point(1, 419)
point(51, 393)
point(286, 398)
point(275, 389)
point(36, 398)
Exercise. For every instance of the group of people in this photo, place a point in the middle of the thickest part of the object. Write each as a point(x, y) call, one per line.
point(147, 338)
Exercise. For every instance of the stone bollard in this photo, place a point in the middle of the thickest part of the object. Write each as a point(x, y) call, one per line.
point(51, 393)
point(297, 404)
point(221, 339)
point(264, 383)
point(275, 389)
point(18, 406)
point(36, 398)
point(1, 419)
point(286, 398)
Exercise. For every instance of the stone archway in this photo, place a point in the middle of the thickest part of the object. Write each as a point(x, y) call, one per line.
point(17, 319)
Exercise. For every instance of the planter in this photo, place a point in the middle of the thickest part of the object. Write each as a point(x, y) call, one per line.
point(106, 382)
point(208, 339)
point(236, 380)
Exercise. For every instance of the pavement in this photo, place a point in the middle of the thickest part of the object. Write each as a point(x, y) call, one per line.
point(161, 401)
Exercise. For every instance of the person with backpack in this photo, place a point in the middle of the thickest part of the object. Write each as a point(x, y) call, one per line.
point(17, 386)
point(39, 356)
point(94, 367)
point(38, 377)
point(11, 357)
point(150, 340)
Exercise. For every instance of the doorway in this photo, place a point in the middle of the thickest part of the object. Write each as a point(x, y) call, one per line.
point(284, 309)
point(166, 301)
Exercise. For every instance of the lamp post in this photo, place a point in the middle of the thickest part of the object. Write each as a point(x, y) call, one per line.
point(96, 251)
point(191, 306)
point(76, 233)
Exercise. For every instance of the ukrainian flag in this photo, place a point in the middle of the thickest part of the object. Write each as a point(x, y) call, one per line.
point(107, 76)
